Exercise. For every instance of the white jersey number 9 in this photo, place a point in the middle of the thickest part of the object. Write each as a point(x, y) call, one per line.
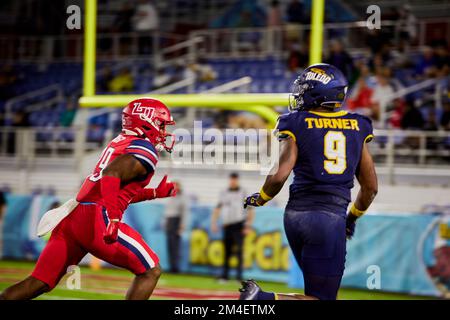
point(102, 163)
point(334, 146)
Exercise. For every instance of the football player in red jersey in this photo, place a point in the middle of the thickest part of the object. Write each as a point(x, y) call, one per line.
point(125, 167)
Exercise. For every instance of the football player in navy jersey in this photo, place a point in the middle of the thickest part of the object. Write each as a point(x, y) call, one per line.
point(325, 147)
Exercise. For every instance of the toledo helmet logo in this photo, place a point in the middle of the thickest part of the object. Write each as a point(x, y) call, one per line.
point(317, 74)
point(146, 111)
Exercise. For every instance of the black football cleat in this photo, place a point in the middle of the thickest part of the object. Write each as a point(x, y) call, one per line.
point(249, 291)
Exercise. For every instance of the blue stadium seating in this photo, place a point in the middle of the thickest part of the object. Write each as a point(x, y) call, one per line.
point(268, 75)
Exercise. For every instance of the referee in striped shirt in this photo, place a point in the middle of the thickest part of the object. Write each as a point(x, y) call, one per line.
point(235, 223)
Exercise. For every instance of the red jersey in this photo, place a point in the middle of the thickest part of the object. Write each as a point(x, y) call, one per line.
point(142, 149)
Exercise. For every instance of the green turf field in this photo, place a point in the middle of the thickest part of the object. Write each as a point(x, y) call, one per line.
point(113, 283)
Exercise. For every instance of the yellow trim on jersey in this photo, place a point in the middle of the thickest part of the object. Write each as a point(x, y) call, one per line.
point(356, 212)
point(330, 114)
point(289, 133)
point(370, 136)
point(264, 195)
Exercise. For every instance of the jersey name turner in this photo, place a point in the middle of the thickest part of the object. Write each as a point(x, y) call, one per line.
point(329, 150)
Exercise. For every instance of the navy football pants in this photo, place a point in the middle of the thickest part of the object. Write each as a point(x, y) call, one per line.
point(318, 241)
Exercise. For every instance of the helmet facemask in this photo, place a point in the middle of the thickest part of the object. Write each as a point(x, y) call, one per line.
point(296, 101)
point(160, 138)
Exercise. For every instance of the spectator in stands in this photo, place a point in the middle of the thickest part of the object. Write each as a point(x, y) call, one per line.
point(426, 64)
point(298, 58)
point(175, 218)
point(430, 121)
point(122, 21)
point(412, 118)
point(200, 70)
point(341, 59)
point(20, 120)
point(96, 133)
point(145, 22)
point(360, 98)
point(245, 120)
point(235, 221)
point(2, 214)
point(247, 40)
point(445, 117)
point(68, 114)
point(295, 12)
point(274, 20)
point(406, 27)
point(274, 16)
point(376, 63)
point(122, 82)
point(377, 40)
point(105, 78)
point(382, 93)
point(8, 77)
point(122, 24)
point(442, 58)
point(401, 58)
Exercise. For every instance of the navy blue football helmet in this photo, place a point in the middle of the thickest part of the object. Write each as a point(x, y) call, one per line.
point(319, 85)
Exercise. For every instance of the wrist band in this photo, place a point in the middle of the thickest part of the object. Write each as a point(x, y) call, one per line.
point(356, 212)
point(264, 195)
point(114, 220)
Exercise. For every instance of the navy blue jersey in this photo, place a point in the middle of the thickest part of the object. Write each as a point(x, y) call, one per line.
point(329, 151)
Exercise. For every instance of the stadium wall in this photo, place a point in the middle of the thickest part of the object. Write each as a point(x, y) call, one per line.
point(410, 253)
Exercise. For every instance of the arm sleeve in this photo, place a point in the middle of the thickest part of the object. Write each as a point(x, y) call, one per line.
point(145, 152)
point(284, 129)
point(367, 129)
point(110, 188)
point(144, 195)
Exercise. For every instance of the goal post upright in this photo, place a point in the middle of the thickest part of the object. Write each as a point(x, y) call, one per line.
point(90, 43)
point(316, 37)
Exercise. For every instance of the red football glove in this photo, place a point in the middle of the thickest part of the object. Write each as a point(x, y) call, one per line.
point(165, 189)
point(112, 230)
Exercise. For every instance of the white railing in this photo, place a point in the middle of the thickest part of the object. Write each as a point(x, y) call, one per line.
point(174, 86)
point(58, 97)
point(226, 87)
point(183, 51)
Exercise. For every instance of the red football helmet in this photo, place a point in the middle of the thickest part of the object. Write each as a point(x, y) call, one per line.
point(148, 118)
